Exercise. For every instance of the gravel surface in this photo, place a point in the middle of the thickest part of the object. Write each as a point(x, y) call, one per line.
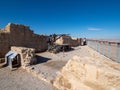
point(21, 80)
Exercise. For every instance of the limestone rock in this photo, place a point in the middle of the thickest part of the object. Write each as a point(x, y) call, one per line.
point(86, 73)
point(27, 55)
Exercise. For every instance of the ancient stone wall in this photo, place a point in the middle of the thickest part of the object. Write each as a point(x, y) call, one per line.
point(4, 43)
point(20, 35)
point(64, 40)
point(88, 73)
point(68, 40)
point(74, 42)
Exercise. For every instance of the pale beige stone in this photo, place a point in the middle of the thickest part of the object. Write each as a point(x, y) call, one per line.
point(68, 40)
point(20, 35)
point(84, 73)
point(27, 55)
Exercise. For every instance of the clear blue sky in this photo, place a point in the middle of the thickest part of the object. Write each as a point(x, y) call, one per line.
point(79, 18)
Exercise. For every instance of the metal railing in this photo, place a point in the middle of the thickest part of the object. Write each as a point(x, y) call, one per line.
point(110, 49)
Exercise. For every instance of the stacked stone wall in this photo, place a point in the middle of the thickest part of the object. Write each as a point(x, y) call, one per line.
point(20, 35)
point(27, 55)
point(73, 42)
point(4, 43)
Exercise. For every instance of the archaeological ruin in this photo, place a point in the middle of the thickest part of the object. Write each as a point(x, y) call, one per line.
point(69, 40)
point(20, 35)
point(27, 55)
point(83, 67)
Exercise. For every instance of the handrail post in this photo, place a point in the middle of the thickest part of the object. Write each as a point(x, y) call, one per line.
point(98, 46)
point(102, 48)
point(109, 44)
point(118, 52)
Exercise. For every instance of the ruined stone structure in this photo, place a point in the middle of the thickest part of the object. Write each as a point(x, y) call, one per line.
point(74, 42)
point(68, 40)
point(87, 73)
point(64, 40)
point(27, 55)
point(20, 35)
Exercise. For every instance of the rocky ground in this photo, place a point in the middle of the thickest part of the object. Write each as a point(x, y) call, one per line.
point(49, 64)
point(21, 80)
point(47, 68)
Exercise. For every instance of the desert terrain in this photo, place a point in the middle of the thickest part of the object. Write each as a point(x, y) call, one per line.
point(49, 67)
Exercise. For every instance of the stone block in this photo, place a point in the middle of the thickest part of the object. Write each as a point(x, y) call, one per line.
point(84, 73)
point(27, 55)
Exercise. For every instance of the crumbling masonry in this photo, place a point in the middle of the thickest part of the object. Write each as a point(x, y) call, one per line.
point(20, 35)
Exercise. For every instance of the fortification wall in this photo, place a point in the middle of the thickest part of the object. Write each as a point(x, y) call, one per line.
point(4, 43)
point(20, 35)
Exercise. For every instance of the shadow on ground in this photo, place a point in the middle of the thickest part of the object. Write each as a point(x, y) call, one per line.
point(71, 49)
point(41, 59)
point(2, 65)
point(55, 64)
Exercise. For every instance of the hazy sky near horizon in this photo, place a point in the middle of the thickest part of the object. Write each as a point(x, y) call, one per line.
point(79, 18)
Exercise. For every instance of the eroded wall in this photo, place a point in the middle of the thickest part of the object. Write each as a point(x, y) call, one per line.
point(4, 43)
point(73, 42)
point(87, 73)
point(20, 35)
point(27, 55)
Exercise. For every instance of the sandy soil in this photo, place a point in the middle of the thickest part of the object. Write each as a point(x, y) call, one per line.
point(21, 80)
